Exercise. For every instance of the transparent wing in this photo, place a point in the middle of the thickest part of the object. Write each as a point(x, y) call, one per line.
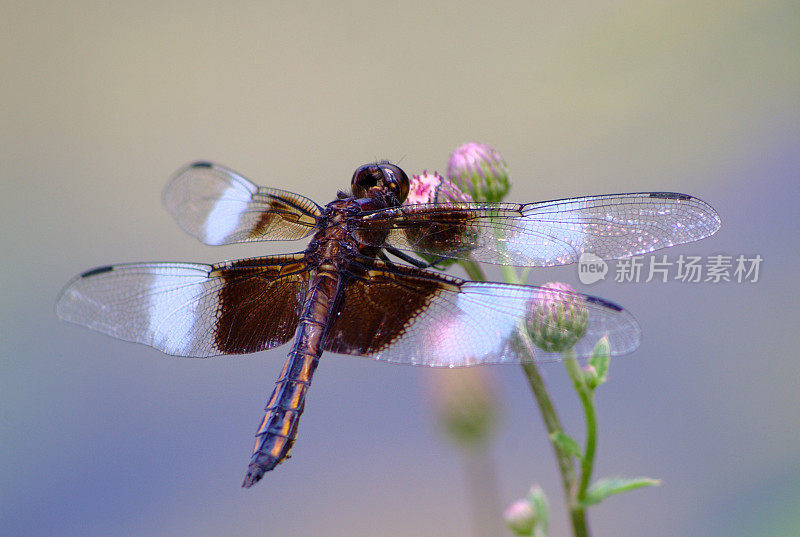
point(405, 315)
point(219, 206)
point(189, 309)
point(544, 233)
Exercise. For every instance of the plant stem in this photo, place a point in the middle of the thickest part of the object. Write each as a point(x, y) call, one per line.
point(587, 400)
point(482, 489)
point(551, 421)
point(574, 493)
point(553, 425)
point(473, 270)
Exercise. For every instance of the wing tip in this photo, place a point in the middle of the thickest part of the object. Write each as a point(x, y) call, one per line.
point(626, 336)
point(634, 332)
point(710, 217)
point(671, 196)
point(97, 270)
point(201, 164)
point(197, 164)
point(708, 210)
point(603, 302)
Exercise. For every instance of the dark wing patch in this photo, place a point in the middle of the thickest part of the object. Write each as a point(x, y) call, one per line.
point(259, 303)
point(544, 233)
point(406, 315)
point(219, 206)
point(377, 305)
point(189, 309)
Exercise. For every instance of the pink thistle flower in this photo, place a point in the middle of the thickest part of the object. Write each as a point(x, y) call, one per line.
point(479, 170)
point(559, 317)
point(433, 188)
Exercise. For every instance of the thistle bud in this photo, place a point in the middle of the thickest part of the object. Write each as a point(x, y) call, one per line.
point(479, 170)
point(520, 517)
point(433, 188)
point(597, 368)
point(466, 405)
point(558, 318)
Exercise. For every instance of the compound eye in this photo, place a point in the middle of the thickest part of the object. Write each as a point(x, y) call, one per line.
point(387, 177)
point(396, 181)
point(364, 178)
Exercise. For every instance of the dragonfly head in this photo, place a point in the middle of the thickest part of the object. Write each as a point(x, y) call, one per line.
point(380, 179)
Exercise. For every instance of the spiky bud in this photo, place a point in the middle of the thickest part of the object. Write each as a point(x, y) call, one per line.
point(480, 171)
point(434, 240)
point(433, 188)
point(558, 318)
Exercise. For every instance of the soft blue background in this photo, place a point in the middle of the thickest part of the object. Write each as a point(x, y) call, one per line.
point(102, 102)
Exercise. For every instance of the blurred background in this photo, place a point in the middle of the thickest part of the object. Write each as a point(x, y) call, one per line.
point(102, 102)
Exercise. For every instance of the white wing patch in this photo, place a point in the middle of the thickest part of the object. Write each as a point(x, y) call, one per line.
point(175, 299)
point(169, 306)
point(226, 215)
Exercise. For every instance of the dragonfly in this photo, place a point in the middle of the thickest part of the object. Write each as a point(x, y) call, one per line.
point(345, 294)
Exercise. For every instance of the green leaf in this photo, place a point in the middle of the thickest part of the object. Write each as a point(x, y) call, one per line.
point(604, 488)
point(599, 362)
point(566, 443)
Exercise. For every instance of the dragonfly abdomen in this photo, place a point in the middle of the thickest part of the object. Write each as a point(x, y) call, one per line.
point(278, 429)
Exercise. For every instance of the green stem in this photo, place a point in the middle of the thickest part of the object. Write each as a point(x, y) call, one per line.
point(510, 275)
point(577, 516)
point(553, 425)
point(474, 270)
point(574, 493)
point(482, 490)
point(587, 400)
point(551, 421)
